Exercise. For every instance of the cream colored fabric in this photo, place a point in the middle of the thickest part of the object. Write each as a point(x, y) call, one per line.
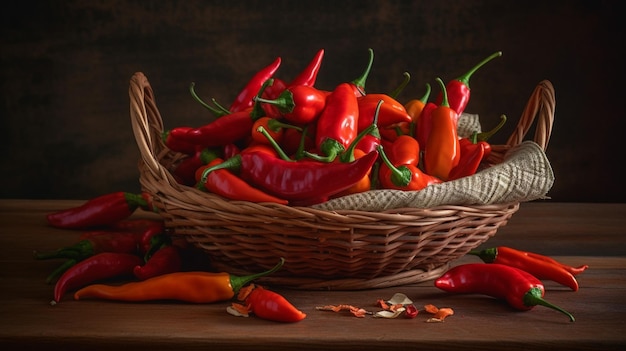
point(524, 175)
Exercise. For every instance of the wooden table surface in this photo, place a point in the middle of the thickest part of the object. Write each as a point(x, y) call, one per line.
point(575, 233)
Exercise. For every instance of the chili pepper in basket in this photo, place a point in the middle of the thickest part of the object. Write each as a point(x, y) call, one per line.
point(424, 123)
point(245, 98)
point(224, 183)
point(299, 104)
point(441, 152)
point(391, 112)
point(414, 107)
point(175, 140)
point(405, 150)
point(97, 267)
point(296, 180)
point(519, 288)
point(267, 304)
point(337, 126)
point(185, 171)
point(224, 130)
point(102, 241)
point(540, 266)
point(101, 210)
point(362, 185)
point(308, 75)
point(474, 149)
point(459, 89)
point(192, 286)
point(403, 176)
point(274, 127)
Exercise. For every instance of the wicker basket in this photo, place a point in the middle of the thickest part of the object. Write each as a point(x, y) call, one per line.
point(338, 250)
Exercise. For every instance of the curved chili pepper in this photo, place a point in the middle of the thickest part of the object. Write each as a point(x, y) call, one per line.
point(222, 131)
point(166, 259)
point(459, 90)
point(519, 288)
point(403, 177)
point(414, 107)
point(101, 210)
point(269, 305)
point(308, 75)
point(441, 153)
point(300, 104)
point(97, 267)
point(391, 112)
point(193, 287)
point(358, 84)
point(337, 126)
point(175, 140)
point(244, 99)
point(186, 169)
point(362, 185)
point(296, 180)
point(97, 242)
point(542, 268)
point(230, 186)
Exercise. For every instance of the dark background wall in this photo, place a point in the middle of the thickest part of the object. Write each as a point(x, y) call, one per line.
point(65, 68)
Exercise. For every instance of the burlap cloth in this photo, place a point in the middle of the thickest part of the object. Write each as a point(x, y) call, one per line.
point(524, 175)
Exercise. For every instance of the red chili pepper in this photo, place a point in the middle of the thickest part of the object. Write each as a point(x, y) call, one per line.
point(230, 186)
point(542, 268)
point(519, 288)
point(101, 210)
point(474, 150)
point(391, 111)
point(296, 141)
point(337, 125)
point(308, 75)
point(186, 169)
point(100, 266)
point(300, 104)
point(358, 84)
point(269, 305)
point(459, 89)
point(95, 243)
point(392, 132)
point(441, 153)
point(224, 130)
point(245, 99)
point(166, 259)
point(403, 176)
point(296, 180)
point(405, 150)
point(176, 141)
point(362, 185)
point(424, 124)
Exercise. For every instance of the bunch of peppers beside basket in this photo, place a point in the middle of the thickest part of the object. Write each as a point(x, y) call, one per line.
point(282, 142)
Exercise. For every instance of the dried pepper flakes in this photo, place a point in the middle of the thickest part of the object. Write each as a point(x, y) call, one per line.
point(356, 311)
point(438, 314)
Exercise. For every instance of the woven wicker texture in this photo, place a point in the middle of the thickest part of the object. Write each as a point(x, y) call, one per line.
point(345, 249)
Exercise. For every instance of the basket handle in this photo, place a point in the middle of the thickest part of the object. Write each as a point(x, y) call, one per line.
point(541, 106)
point(147, 126)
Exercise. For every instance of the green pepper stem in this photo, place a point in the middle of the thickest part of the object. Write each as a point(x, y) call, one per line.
point(348, 155)
point(233, 164)
point(360, 81)
point(218, 112)
point(400, 176)
point(237, 282)
point(257, 110)
point(424, 98)
point(444, 92)
point(78, 251)
point(487, 255)
point(486, 135)
point(533, 298)
point(467, 75)
point(284, 102)
point(407, 77)
point(281, 153)
point(135, 200)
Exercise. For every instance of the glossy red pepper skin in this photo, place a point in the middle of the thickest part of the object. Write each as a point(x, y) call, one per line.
point(519, 288)
point(542, 268)
point(224, 130)
point(391, 111)
point(269, 305)
point(308, 75)
point(186, 169)
point(245, 98)
point(337, 126)
point(176, 141)
point(100, 266)
point(424, 124)
point(299, 104)
point(406, 177)
point(405, 150)
point(99, 211)
point(459, 89)
point(472, 154)
point(166, 259)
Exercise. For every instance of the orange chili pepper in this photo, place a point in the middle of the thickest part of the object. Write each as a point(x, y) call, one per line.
point(403, 177)
point(441, 153)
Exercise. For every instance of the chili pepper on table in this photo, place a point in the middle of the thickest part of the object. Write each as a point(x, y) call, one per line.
point(542, 267)
point(337, 126)
point(97, 267)
point(97, 242)
point(163, 257)
point(296, 180)
point(300, 104)
point(441, 152)
point(245, 98)
point(459, 89)
point(403, 176)
point(193, 287)
point(224, 183)
point(267, 304)
point(474, 149)
point(99, 211)
point(519, 288)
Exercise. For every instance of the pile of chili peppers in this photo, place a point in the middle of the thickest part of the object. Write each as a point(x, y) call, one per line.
point(512, 275)
point(290, 142)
